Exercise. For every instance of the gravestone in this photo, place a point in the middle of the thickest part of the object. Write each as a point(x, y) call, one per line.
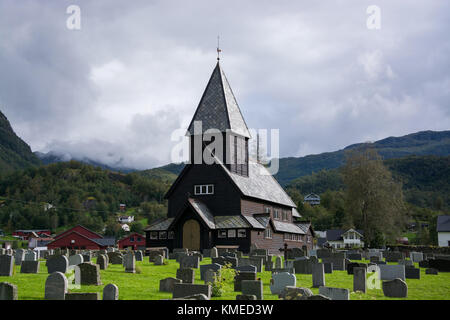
point(138, 255)
point(19, 256)
point(87, 256)
point(8, 291)
point(282, 280)
point(338, 263)
point(353, 265)
point(241, 276)
point(214, 253)
point(207, 253)
point(354, 256)
point(328, 267)
point(181, 290)
point(110, 292)
point(6, 265)
point(278, 262)
point(391, 272)
point(252, 261)
point(406, 263)
point(335, 293)
point(246, 268)
point(412, 273)
point(295, 253)
point(323, 253)
point(115, 257)
point(76, 260)
point(393, 256)
point(189, 262)
point(374, 259)
point(253, 287)
point(130, 262)
point(186, 275)
point(303, 266)
point(30, 266)
point(431, 271)
point(159, 260)
point(76, 296)
point(318, 275)
point(87, 273)
point(57, 263)
point(258, 252)
point(396, 288)
point(102, 261)
point(359, 279)
point(153, 253)
point(166, 285)
point(30, 256)
point(416, 256)
point(210, 277)
point(56, 286)
point(203, 268)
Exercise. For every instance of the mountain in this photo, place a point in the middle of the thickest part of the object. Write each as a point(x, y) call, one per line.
point(14, 152)
point(55, 157)
point(420, 143)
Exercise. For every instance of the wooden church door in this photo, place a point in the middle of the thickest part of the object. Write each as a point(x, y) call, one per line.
point(191, 235)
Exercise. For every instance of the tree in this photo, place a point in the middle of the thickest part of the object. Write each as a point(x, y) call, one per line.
point(373, 200)
point(137, 227)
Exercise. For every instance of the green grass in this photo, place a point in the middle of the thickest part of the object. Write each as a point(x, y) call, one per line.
point(145, 285)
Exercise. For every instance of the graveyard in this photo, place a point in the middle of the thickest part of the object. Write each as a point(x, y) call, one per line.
point(143, 282)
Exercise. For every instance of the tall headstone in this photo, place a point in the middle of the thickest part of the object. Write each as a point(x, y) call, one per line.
point(166, 285)
point(186, 275)
point(102, 261)
point(359, 279)
point(19, 256)
point(8, 291)
point(278, 262)
point(110, 292)
point(138, 255)
point(318, 275)
point(76, 259)
point(6, 265)
point(253, 287)
point(214, 253)
point(56, 286)
point(31, 256)
point(130, 262)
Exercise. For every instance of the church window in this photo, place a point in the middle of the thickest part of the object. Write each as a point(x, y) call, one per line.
point(154, 235)
point(163, 235)
point(231, 233)
point(268, 233)
point(204, 189)
point(222, 234)
point(171, 235)
point(242, 233)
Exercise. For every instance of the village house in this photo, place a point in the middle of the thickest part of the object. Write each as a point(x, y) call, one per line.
point(80, 237)
point(233, 202)
point(26, 234)
point(126, 219)
point(443, 230)
point(341, 238)
point(134, 241)
point(312, 199)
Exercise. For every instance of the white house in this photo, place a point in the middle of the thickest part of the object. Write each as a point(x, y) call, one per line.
point(312, 198)
point(443, 231)
point(126, 228)
point(342, 238)
point(126, 219)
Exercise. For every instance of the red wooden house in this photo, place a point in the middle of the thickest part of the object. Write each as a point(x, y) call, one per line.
point(26, 234)
point(80, 237)
point(134, 241)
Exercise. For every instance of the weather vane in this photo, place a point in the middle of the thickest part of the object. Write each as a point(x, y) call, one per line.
point(218, 48)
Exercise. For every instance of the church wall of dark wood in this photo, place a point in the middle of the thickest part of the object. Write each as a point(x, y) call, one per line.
point(224, 201)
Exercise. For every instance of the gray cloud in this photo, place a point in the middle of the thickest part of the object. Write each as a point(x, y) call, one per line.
point(116, 89)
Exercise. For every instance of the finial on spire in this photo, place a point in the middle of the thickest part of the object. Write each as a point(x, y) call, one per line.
point(218, 48)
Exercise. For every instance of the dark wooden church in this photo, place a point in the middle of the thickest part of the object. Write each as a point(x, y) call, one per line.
point(233, 202)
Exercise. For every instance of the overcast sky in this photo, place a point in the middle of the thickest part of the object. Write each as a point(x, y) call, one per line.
point(117, 88)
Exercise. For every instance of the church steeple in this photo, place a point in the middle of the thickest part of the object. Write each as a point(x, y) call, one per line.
point(218, 109)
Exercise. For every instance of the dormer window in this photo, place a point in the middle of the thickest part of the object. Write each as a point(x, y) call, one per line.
point(202, 189)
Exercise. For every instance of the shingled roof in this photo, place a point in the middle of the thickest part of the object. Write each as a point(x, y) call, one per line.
point(218, 108)
point(443, 224)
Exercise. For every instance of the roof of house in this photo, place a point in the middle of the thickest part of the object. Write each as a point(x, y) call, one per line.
point(312, 196)
point(94, 234)
point(131, 235)
point(443, 223)
point(105, 241)
point(218, 108)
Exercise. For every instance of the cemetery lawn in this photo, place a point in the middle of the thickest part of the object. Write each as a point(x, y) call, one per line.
point(145, 285)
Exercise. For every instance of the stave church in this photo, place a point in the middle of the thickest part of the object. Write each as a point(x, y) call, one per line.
point(230, 202)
